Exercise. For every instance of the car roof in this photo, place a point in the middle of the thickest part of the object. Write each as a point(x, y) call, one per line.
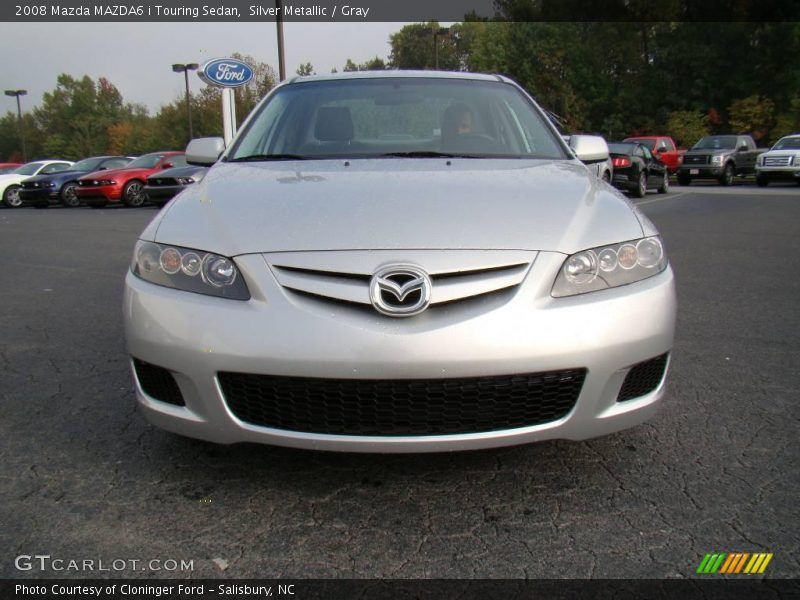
point(398, 74)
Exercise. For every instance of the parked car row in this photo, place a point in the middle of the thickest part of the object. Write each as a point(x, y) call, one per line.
point(98, 181)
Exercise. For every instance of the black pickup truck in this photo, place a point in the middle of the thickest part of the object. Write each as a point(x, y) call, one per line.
point(720, 157)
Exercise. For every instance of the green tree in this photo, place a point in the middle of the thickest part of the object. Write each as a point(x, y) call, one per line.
point(754, 114)
point(305, 69)
point(686, 127)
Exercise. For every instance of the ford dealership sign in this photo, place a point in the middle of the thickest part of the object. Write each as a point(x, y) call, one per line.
point(225, 72)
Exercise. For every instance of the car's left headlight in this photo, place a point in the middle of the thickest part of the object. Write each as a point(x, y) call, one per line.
point(188, 270)
point(716, 160)
point(185, 180)
point(610, 266)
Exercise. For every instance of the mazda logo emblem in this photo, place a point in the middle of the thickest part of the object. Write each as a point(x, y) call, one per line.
point(400, 290)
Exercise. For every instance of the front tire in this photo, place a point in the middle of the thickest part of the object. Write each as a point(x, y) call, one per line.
point(684, 178)
point(664, 187)
point(641, 186)
point(727, 175)
point(68, 196)
point(133, 194)
point(11, 197)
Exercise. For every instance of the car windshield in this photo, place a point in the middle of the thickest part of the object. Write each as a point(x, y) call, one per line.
point(87, 164)
point(789, 143)
point(29, 169)
point(621, 148)
point(148, 161)
point(397, 117)
point(716, 142)
point(649, 144)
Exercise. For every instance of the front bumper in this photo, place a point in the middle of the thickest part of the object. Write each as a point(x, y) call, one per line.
point(99, 192)
point(162, 193)
point(787, 173)
point(277, 332)
point(38, 195)
point(701, 171)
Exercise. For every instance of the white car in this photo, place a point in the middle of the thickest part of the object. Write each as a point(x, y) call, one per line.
point(398, 261)
point(10, 182)
point(781, 162)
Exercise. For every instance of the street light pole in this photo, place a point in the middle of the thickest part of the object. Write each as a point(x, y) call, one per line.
point(185, 68)
point(19, 93)
point(279, 25)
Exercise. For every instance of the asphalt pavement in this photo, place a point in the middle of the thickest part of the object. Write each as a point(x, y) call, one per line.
point(84, 477)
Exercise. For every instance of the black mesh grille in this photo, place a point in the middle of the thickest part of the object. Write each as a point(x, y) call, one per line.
point(643, 378)
point(158, 383)
point(404, 406)
point(701, 159)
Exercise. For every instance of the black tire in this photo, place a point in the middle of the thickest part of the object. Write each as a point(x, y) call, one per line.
point(664, 187)
point(11, 197)
point(67, 195)
point(727, 175)
point(641, 186)
point(684, 178)
point(133, 194)
point(762, 180)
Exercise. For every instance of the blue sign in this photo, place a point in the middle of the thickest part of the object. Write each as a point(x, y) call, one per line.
point(225, 72)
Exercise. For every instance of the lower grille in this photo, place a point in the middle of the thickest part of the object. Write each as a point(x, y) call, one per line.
point(404, 406)
point(643, 378)
point(158, 383)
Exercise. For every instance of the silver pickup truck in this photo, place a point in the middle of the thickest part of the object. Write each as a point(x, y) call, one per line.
point(720, 157)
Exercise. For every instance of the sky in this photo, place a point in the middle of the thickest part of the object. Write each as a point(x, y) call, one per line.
point(137, 57)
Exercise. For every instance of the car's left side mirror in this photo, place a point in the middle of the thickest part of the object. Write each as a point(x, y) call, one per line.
point(167, 165)
point(589, 147)
point(743, 147)
point(204, 152)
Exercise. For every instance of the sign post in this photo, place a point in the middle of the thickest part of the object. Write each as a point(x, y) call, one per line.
point(228, 74)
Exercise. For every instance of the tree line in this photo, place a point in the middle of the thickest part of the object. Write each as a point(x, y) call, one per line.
point(686, 79)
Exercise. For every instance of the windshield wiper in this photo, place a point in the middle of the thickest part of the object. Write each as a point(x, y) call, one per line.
point(425, 154)
point(266, 157)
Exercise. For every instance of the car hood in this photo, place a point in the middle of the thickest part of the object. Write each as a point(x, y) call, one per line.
point(713, 151)
point(376, 204)
point(60, 175)
point(179, 172)
point(120, 173)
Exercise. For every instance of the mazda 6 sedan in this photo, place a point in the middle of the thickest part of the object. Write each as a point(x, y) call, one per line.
point(398, 262)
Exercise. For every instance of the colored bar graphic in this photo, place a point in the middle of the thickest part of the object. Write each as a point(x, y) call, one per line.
point(734, 563)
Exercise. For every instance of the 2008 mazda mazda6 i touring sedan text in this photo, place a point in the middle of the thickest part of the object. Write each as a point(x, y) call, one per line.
point(398, 262)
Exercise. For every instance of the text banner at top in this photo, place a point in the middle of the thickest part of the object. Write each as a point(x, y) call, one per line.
point(395, 10)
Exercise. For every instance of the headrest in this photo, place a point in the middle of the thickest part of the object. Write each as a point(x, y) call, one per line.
point(334, 124)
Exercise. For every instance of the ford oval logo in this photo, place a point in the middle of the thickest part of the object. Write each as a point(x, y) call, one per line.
point(225, 72)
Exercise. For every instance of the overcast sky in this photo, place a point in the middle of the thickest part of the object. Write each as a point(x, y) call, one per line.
point(137, 57)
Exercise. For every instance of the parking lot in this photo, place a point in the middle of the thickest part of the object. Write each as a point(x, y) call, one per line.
point(718, 469)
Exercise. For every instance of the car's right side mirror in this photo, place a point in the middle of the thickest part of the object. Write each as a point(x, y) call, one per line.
point(204, 152)
point(589, 147)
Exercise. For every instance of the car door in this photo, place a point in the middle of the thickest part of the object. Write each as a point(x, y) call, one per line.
point(651, 166)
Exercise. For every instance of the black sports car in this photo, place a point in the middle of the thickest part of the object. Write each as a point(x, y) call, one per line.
point(161, 187)
point(636, 169)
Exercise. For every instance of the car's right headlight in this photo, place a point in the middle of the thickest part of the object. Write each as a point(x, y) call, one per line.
point(188, 270)
point(610, 266)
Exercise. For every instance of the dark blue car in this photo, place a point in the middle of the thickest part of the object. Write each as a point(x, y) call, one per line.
point(54, 188)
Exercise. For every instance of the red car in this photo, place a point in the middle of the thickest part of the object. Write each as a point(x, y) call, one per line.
point(8, 167)
point(126, 184)
point(663, 148)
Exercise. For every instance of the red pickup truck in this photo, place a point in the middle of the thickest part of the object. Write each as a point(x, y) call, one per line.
point(663, 148)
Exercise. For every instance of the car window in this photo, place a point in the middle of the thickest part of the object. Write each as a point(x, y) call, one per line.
point(380, 116)
point(787, 143)
point(115, 163)
point(668, 145)
point(178, 160)
point(646, 152)
point(54, 168)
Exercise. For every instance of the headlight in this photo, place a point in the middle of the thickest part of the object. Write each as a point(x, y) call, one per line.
point(185, 180)
point(106, 182)
point(188, 270)
point(49, 184)
point(716, 160)
point(610, 266)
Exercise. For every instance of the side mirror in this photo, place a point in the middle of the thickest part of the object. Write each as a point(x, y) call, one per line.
point(743, 147)
point(167, 165)
point(103, 169)
point(589, 147)
point(204, 152)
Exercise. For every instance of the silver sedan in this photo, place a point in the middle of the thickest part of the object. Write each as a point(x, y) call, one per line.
point(398, 262)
